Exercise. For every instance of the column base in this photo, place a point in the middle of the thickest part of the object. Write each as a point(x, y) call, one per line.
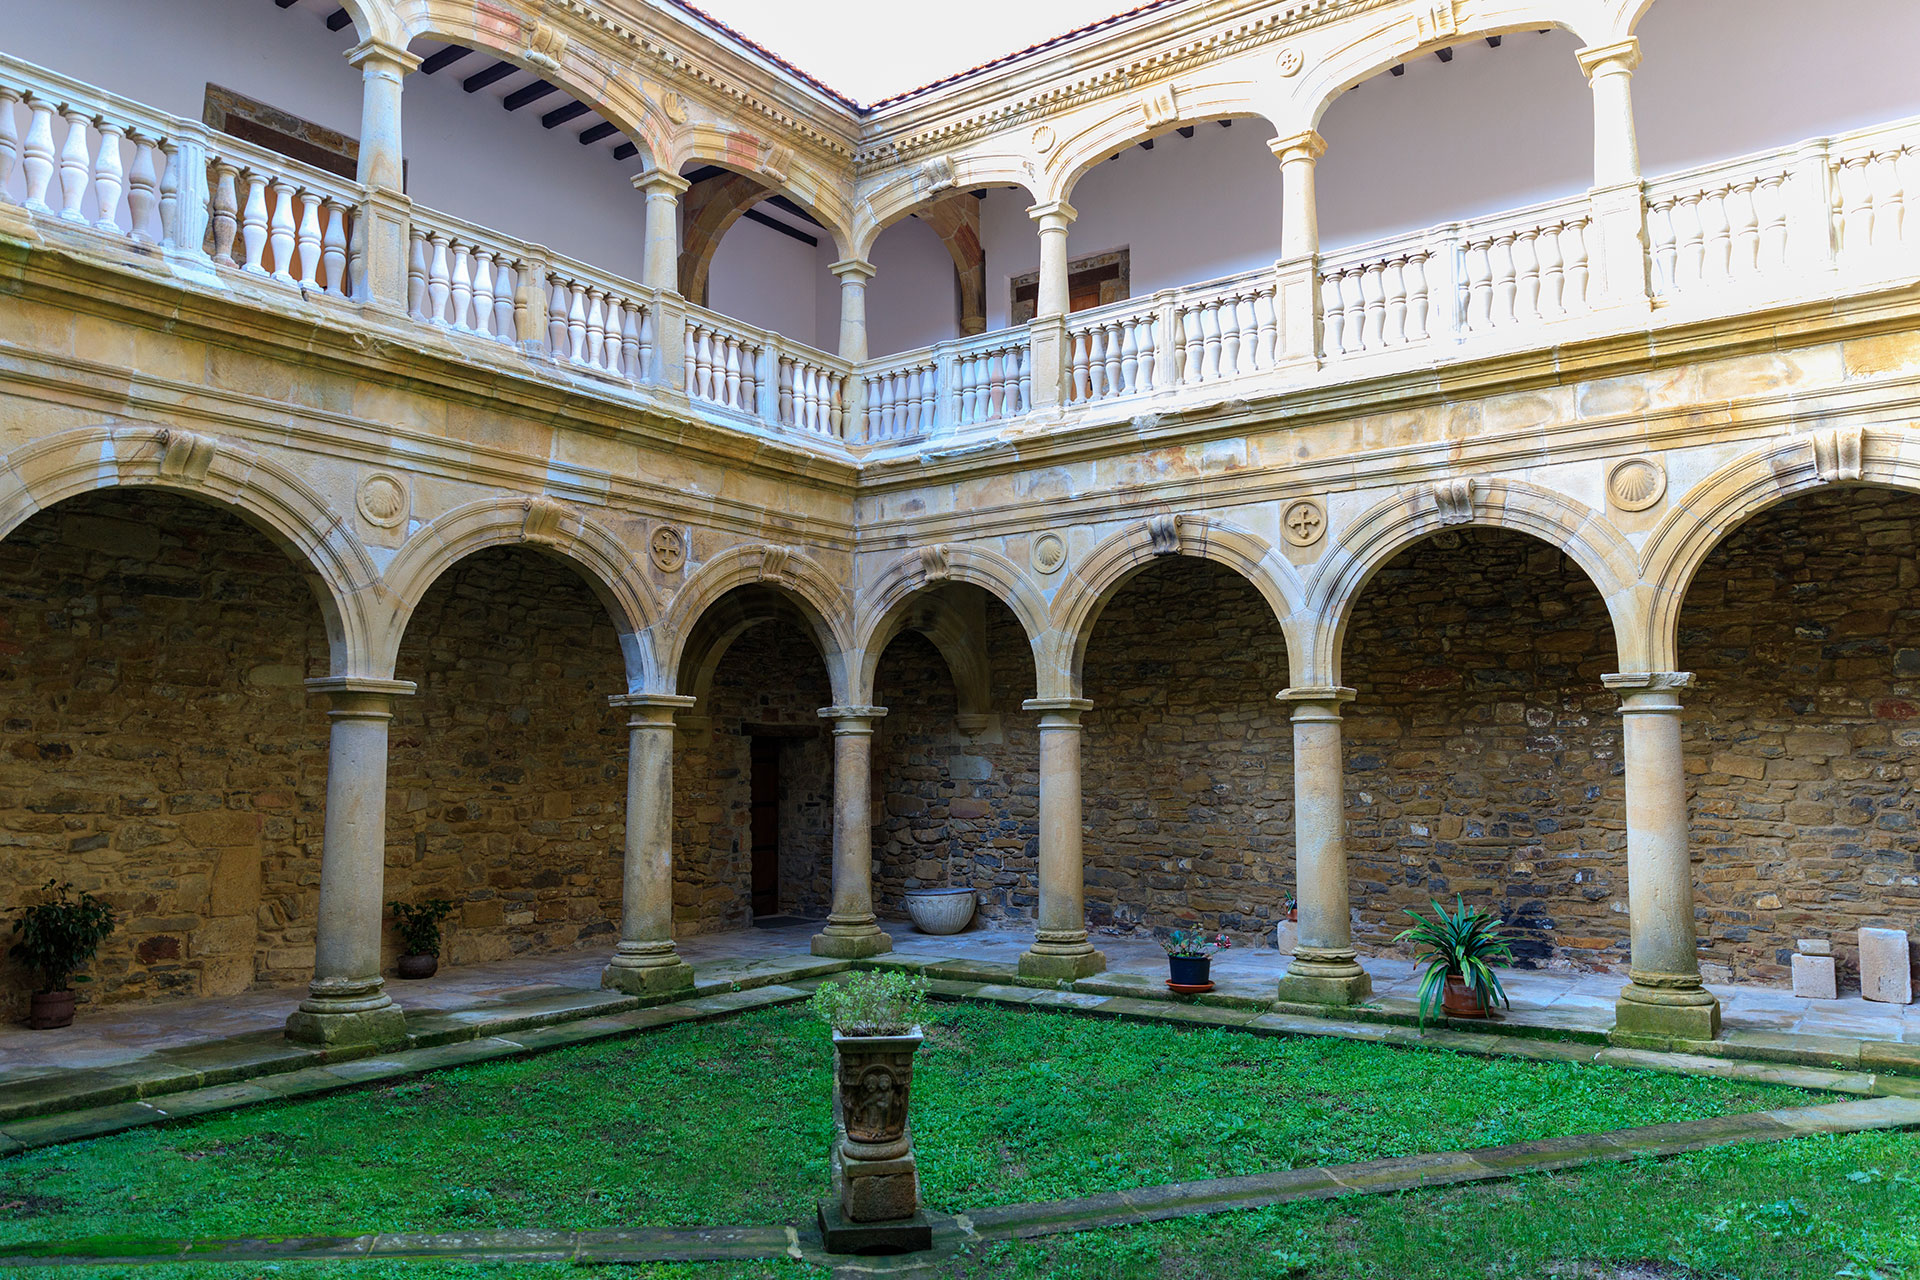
point(345, 1011)
point(851, 942)
point(1669, 1007)
point(1326, 978)
point(1061, 961)
point(658, 977)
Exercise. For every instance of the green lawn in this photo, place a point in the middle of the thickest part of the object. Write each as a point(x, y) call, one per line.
point(728, 1123)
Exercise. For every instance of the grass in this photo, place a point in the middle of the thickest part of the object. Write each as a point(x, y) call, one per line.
point(728, 1123)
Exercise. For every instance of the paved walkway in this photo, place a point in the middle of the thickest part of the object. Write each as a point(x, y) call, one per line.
point(1008, 1222)
point(1544, 1000)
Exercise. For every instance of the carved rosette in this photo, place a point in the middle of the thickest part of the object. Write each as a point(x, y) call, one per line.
point(667, 549)
point(1303, 522)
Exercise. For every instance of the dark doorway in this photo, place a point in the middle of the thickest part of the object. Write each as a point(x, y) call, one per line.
point(765, 787)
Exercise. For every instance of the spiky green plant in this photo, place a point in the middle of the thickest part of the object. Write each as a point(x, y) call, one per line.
point(1465, 943)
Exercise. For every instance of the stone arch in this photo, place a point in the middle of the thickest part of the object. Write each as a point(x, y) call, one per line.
point(909, 189)
point(1125, 124)
point(699, 625)
point(908, 583)
point(1091, 585)
point(1714, 508)
point(582, 70)
point(1328, 76)
point(824, 195)
point(542, 525)
point(260, 491)
point(1395, 523)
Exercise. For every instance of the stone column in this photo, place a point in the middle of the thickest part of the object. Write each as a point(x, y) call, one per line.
point(853, 275)
point(1060, 947)
point(347, 1002)
point(1325, 968)
point(1047, 333)
point(1618, 199)
point(1664, 997)
point(381, 231)
point(851, 930)
point(1297, 274)
point(645, 963)
point(660, 266)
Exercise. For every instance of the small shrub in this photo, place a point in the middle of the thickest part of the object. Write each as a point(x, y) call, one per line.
point(419, 925)
point(1465, 943)
point(1192, 944)
point(872, 1004)
point(61, 934)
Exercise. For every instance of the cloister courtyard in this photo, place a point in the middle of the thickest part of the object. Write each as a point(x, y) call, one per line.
point(1225, 641)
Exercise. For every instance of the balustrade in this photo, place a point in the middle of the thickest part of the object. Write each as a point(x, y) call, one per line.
point(1113, 356)
point(902, 400)
point(1728, 231)
point(810, 395)
point(993, 378)
point(1871, 180)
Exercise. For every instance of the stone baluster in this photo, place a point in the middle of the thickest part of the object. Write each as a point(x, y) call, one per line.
point(786, 392)
point(559, 304)
point(333, 249)
point(1743, 230)
point(644, 371)
point(307, 238)
point(483, 291)
point(851, 930)
point(37, 154)
point(644, 961)
point(731, 395)
point(596, 327)
point(576, 322)
point(346, 1002)
point(282, 230)
point(1325, 968)
point(1024, 355)
point(225, 212)
point(1210, 339)
point(1506, 285)
point(506, 298)
point(1268, 324)
point(1526, 266)
point(76, 165)
point(461, 286)
point(1664, 998)
point(109, 177)
point(1335, 315)
point(1575, 250)
point(143, 185)
point(630, 366)
point(1716, 235)
point(1415, 277)
point(1553, 272)
point(9, 140)
point(170, 195)
point(439, 278)
point(1060, 948)
point(253, 224)
point(1770, 208)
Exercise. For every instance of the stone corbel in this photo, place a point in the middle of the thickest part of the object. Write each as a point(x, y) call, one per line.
point(1455, 500)
point(1163, 535)
point(936, 564)
point(185, 455)
point(545, 46)
point(544, 517)
point(773, 564)
point(1837, 453)
point(776, 163)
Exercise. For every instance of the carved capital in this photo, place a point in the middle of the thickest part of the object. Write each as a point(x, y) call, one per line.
point(1306, 145)
point(1602, 59)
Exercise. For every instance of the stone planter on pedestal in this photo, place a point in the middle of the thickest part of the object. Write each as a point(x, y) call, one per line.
point(876, 1207)
point(940, 911)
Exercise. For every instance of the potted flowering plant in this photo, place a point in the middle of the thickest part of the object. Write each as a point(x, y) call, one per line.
point(1460, 947)
point(57, 937)
point(1190, 958)
point(876, 1029)
point(419, 928)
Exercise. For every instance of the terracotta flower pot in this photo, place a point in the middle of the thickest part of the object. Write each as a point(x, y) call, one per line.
point(1460, 1000)
point(51, 1009)
point(940, 910)
point(418, 966)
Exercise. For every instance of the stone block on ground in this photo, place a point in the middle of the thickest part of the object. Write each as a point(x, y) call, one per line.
point(1886, 972)
point(1813, 977)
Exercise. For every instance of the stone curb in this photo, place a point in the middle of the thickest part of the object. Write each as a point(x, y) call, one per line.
point(1130, 1207)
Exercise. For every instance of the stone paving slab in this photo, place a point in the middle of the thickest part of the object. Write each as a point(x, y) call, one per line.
point(1020, 1221)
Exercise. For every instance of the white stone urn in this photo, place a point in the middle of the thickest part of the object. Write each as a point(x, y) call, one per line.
point(940, 910)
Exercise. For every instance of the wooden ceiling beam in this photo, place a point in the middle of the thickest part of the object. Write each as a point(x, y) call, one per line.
point(442, 60)
point(339, 18)
point(492, 75)
point(625, 151)
point(532, 93)
point(593, 133)
point(560, 115)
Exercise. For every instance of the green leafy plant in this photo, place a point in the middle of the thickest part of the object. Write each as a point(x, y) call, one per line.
point(1464, 943)
point(61, 934)
point(872, 1004)
point(418, 925)
point(1191, 944)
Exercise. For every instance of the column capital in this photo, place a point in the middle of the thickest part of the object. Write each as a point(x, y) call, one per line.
point(855, 269)
point(360, 697)
point(361, 684)
point(651, 710)
point(370, 54)
point(1306, 145)
point(1054, 214)
point(852, 713)
point(1649, 692)
point(1334, 693)
point(660, 182)
point(1604, 59)
point(1061, 710)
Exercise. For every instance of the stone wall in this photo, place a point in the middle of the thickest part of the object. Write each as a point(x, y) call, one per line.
point(1483, 753)
point(1803, 733)
point(771, 681)
point(159, 749)
point(506, 784)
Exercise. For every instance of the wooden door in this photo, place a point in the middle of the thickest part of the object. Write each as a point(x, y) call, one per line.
point(764, 785)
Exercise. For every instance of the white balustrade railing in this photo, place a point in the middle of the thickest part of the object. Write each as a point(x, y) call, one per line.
point(1523, 269)
point(463, 278)
point(903, 396)
point(1708, 229)
point(992, 377)
point(1222, 331)
point(722, 363)
point(1875, 182)
point(608, 324)
point(1377, 298)
point(1113, 354)
point(812, 392)
point(91, 159)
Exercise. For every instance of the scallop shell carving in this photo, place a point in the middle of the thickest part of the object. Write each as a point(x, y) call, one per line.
point(1636, 484)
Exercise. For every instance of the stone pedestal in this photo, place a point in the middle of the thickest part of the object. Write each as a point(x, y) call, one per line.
point(1886, 966)
point(875, 1207)
point(644, 962)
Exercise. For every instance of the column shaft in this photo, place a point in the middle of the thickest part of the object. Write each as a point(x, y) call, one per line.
point(347, 1002)
point(1053, 219)
point(1616, 149)
point(852, 931)
point(1664, 997)
point(1325, 968)
point(854, 274)
point(1617, 203)
point(644, 962)
point(380, 231)
point(660, 264)
point(1297, 274)
point(1060, 947)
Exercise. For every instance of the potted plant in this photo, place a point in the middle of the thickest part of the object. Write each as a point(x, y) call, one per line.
point(876, 1030)
point(1286, 932)
point(1190, 959)
point(1460, 948)
point(57, 937)
point(419, 930)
